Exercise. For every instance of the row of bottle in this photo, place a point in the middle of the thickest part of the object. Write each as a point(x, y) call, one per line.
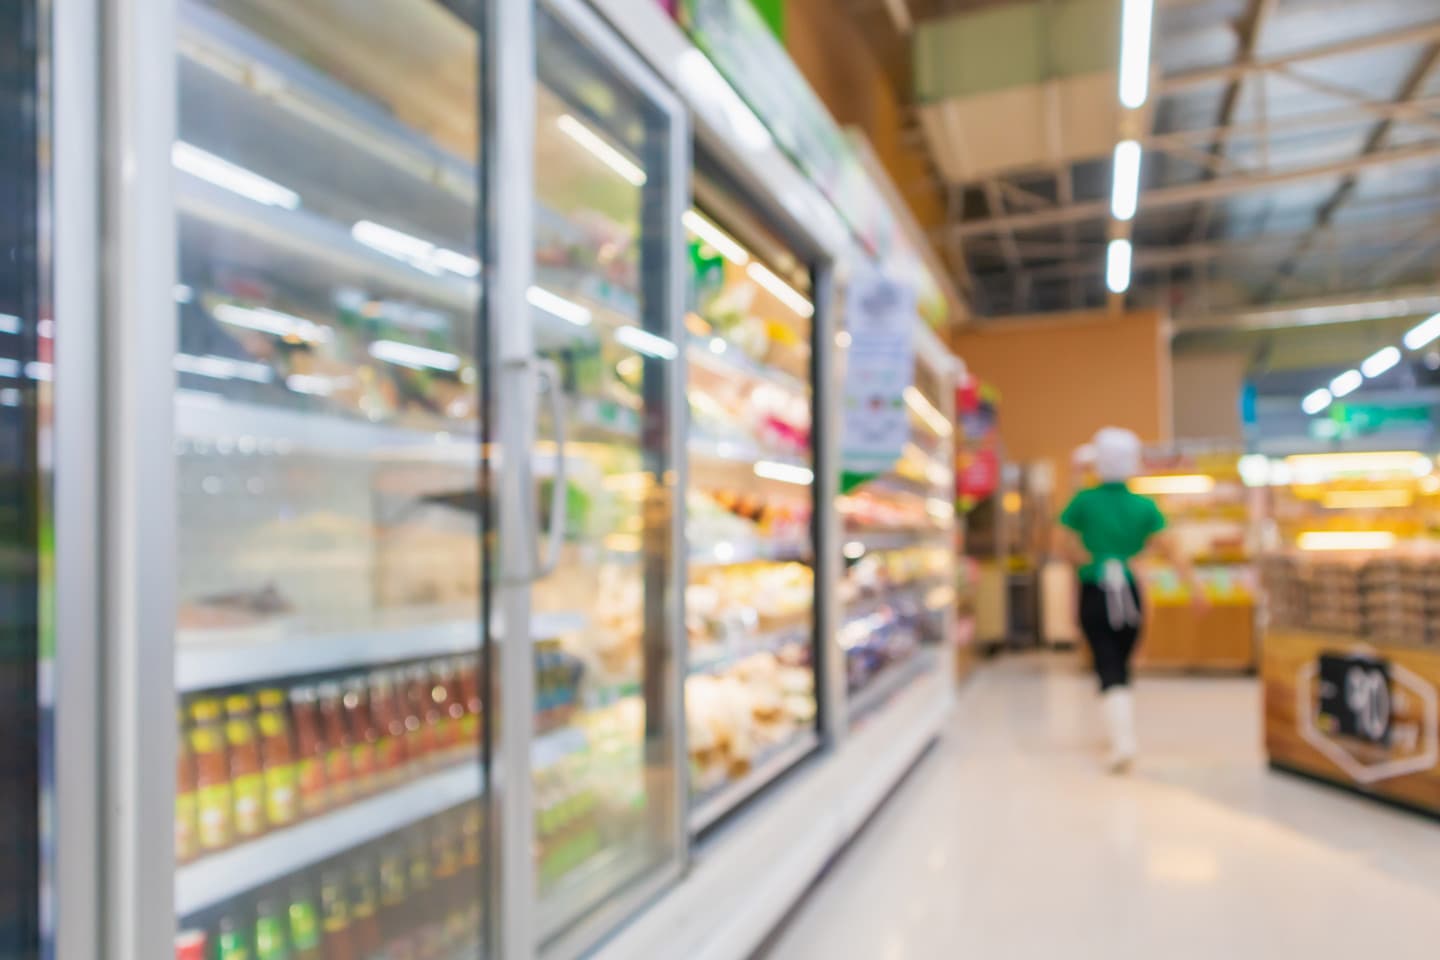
point(415, 895)
point(315, 747)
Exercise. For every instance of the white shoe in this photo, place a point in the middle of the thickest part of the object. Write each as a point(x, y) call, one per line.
point(1120, 720)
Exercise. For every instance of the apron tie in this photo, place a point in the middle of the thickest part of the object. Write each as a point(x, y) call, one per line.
point(1120, 607)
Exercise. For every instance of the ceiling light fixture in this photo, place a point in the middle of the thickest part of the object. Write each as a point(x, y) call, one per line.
point(1125, 186)
point(1117, 265)
point(1316, 401)
point(1380, 361)
point(416, 358)
point(1424, 333)
point(601, 150)
point(1135, 22)
point(1347, 383)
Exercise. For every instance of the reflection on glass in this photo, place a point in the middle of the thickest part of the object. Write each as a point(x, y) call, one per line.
point(330, 533)
point(604, 780)
point(750, 602)
point(899, 568)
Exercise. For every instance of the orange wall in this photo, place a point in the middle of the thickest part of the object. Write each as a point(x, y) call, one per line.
point(837, 61)
point(1062, 379)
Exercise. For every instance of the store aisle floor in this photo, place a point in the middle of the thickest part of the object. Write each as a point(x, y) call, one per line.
point(1007, 842)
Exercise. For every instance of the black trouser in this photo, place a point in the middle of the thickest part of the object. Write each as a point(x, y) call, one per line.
point(1110, 648)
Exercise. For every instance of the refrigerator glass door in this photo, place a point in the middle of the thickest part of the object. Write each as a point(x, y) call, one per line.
point(331, 640)
point(750, 694)
point(26, 584)
point(605, 615)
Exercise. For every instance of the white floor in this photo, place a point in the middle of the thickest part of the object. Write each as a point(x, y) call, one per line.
point(1007, 842)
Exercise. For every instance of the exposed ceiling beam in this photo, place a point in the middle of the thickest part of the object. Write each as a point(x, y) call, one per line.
point(1356, 307)
point(1379, 137)
point(1420, 245)
point(1422, 33)
point(1418, 111)
point(995, 203)
point(1249, 37)
point(1399, 108)
point(1186, 193)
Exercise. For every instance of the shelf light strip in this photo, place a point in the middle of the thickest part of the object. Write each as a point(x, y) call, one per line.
point(1336, 540)
point(229, 176)
point(927, 411)
point(784, 472)
point(601, 150)
point(726, 245)
point(782, 291)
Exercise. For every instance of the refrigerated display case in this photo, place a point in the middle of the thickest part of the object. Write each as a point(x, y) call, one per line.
point(897, 592)
point(750, 600)
point(26, 517)
point(331, 557)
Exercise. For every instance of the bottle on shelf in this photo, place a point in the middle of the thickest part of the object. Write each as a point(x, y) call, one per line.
point(272, 941)
point(339, 771)
point(247, 774)
point(309, 751)
point(277, 752)
point(233, 941)
point(419, 716)
point(396, 923)
point(389, 726)
point(304, 922)
point(214, 800)
point(365, 907)
point(335, 915)
point(187, 838)
point(445, 694)
point(467, 670)
point(363, 734)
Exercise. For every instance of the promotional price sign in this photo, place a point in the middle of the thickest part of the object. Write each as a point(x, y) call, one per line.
point(1363, 716)
point(880, 365)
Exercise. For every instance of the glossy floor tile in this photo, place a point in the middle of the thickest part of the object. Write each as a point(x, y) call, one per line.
point(1009, 842)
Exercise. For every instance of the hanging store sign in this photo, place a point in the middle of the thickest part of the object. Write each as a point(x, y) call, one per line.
point(880, 366)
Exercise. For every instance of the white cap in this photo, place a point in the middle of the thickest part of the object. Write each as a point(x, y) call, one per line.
point(1117, 454)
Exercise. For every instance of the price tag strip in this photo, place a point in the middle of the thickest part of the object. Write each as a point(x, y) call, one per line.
point(1374, 719)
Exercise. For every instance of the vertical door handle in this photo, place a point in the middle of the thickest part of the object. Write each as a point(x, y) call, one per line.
point(547, 377)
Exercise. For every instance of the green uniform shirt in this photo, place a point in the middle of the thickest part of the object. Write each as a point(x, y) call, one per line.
point(1113, 524)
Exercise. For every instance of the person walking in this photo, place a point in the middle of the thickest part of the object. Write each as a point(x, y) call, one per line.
point(1103, 529)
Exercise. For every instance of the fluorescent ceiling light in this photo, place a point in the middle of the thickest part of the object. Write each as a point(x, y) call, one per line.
point(311, 384)
point(1424, 333)
point(9, 323)
point(643, 341)
point(1347, 383)
point(9, 368)
point(1255, 468)
point(1135, 22)
point(724, 244)
point(1178, 484)
point(1380, 361)
point(601, 149)
point(927, 411)
point(558, 306)
point(228, 176)
point(1117, 266)
point(273, 322)
point(1347, 540)
point(781, 290)
point(222, 368)
point(1316, 401)
point(184, 293)
point(717, 345)
point(842, 339)
point(456, 262)
point(854, 550)
point(416, 358)
point(1125, 185)
point(784, 472)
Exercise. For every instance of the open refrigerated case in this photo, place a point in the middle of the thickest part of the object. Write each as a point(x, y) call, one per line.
point(898, 589)
point(750, 689)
